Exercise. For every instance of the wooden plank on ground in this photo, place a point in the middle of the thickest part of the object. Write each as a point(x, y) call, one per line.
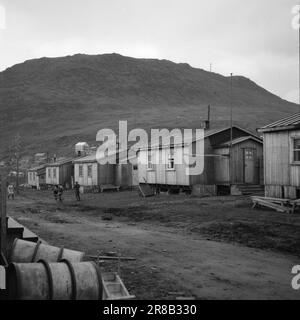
point(146, 190)
point(271, 205)
point(274, 200)
point(113, 258)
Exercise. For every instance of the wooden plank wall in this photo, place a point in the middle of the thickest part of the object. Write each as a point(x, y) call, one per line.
point(222, 166)
point(106, 174)
point(85, 180)
point(281, 176)
point(66, 172)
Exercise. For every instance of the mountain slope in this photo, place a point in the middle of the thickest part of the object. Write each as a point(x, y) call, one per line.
point(54, 102)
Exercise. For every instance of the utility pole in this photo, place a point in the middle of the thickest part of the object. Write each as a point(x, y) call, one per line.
point(231, 116)
point(299, 55)
point(231, 131)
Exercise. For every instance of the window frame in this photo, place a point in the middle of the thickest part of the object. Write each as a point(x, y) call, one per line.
point(150, 164)
point(80, 170)
point(90, 171)
point(171, 159)
point(293, 150)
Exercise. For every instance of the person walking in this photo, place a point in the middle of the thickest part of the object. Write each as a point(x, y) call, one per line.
point(55, 192)
point(77, 191)
point(60, 192)
point(10, 192)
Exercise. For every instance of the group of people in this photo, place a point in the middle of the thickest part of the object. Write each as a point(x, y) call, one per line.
point(58, 191)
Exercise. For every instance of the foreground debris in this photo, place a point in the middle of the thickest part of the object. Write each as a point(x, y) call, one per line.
point(278, 204)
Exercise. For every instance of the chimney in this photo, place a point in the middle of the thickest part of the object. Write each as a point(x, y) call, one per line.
point(207, 122)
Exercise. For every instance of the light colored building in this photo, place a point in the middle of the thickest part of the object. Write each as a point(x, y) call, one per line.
point(244, 168)
point(37, 177)
point(89, 172)
point(60, 173)
point(282, 157)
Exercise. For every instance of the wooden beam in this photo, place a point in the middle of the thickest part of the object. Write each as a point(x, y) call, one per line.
point(113, 258)
point(3, 226)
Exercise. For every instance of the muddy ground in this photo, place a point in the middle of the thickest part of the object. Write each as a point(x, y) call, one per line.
point(209, 248)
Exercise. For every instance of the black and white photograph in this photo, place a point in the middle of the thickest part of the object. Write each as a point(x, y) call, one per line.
point(149, 150)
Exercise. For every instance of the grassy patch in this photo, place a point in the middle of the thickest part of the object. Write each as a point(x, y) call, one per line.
point(277, 236)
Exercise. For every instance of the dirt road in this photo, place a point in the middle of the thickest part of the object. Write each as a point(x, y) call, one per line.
point(169, 257)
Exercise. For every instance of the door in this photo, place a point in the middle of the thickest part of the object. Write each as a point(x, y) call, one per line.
point(249, 165)
point(135, 175)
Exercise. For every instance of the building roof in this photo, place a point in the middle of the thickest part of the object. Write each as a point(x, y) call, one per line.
point(93, 157)
point(59, 163)
point(89, 158)
point(42, 166)
point(289, 123)
point(211, 132)
point(207, 133)
point(239, 140)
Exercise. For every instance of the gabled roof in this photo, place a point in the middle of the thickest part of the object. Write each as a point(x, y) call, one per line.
point(289, 123)
point(59, 163)
point(239, 140)
point(207, 133)
point(211, 132)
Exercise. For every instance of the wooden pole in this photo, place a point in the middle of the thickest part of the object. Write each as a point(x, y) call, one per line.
point(231, 132)
point(3, 198)
point(299, 58)
point(17, 182)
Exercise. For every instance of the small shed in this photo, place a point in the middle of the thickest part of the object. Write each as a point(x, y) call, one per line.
point(282, 157)
point(60, 173)
point(246, 164)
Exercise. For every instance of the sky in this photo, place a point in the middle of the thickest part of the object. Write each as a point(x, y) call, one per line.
point(250, 38)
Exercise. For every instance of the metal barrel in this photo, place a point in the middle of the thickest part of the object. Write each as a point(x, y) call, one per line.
point(27, 251)
point(63, 280)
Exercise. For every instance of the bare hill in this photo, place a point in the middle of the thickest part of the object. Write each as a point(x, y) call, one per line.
point(55, 102)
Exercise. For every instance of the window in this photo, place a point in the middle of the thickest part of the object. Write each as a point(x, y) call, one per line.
point(249, 154)
point(33, 176)
point(90, 171)
point(80, 171)
point(171, 161)
point(135, 167)
point(150, 160)
point(49, 173)
point(296, 150)
point(54, 172)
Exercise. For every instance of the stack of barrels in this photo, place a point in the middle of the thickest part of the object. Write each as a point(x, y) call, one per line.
point(39, 271)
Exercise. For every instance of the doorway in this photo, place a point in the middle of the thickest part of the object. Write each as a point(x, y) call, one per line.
point(249, 165)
